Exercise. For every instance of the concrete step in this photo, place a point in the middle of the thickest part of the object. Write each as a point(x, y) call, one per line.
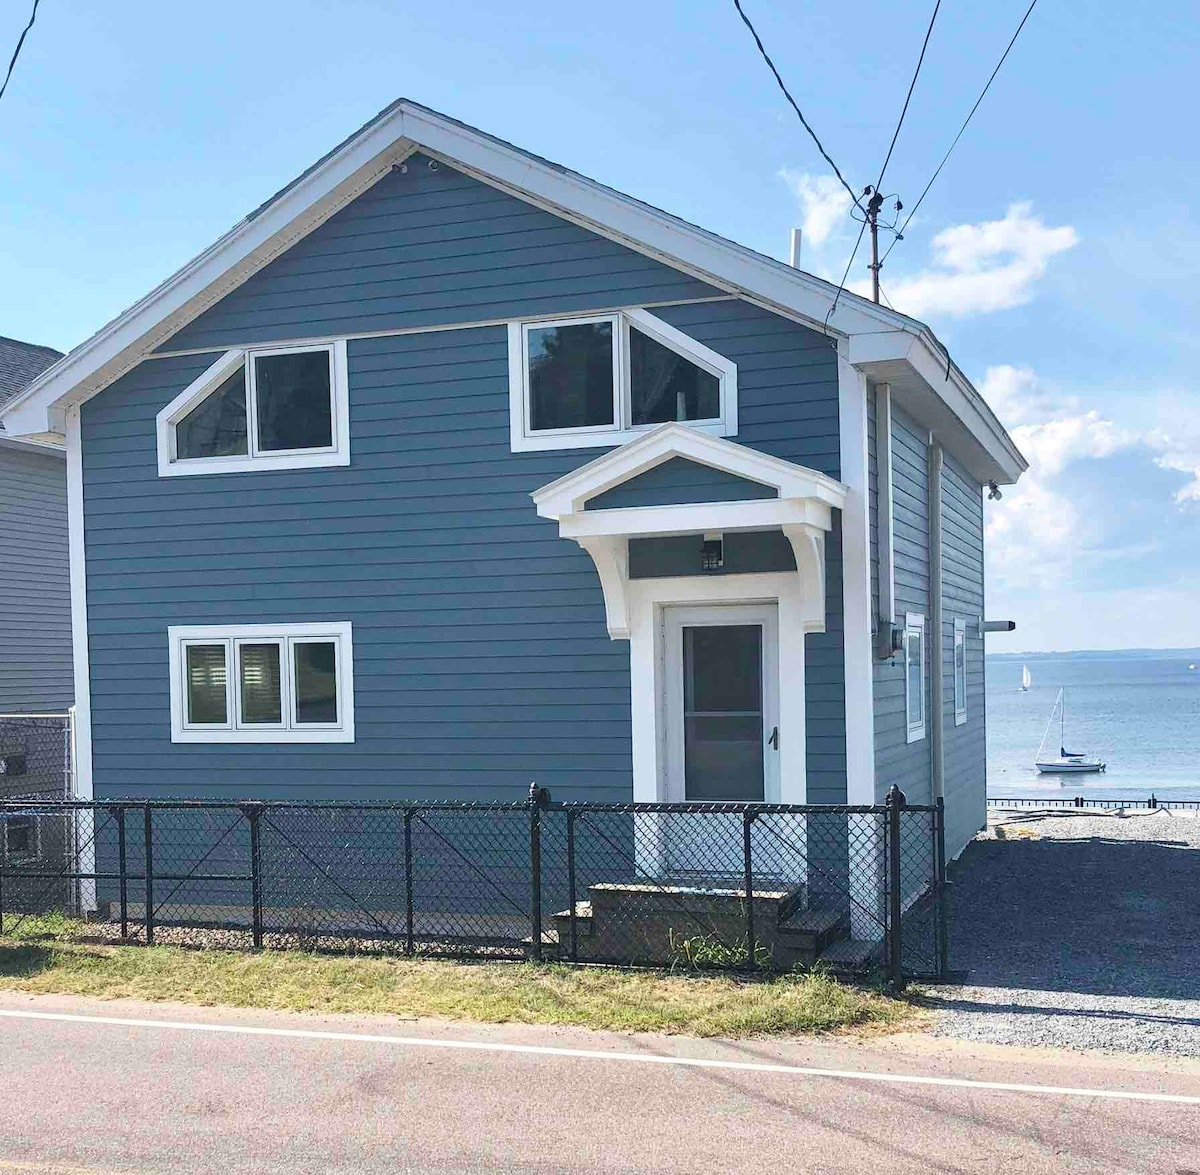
point(851, 955)
point(812, 931)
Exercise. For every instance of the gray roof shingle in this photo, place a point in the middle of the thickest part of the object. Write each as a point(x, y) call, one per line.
point(20, 363)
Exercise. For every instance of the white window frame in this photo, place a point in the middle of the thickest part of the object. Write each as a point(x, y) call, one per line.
point(960, 690)
point(915, 622)
point(169, 465)
point(287, 636)
point(525, 439)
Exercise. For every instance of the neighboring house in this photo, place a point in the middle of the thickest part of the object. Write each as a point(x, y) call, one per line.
point(449, 469)
point(35, 595)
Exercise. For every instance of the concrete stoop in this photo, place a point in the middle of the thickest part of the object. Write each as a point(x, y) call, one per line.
point(668, 922)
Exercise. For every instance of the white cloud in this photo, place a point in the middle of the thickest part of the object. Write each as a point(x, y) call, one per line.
point(980, 268)
point(823, 202)
point(1176, 437)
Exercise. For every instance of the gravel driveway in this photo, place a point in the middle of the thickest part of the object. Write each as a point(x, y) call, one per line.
point(1078, 931)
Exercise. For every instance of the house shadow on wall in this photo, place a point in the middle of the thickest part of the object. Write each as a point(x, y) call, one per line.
point(1094, 915)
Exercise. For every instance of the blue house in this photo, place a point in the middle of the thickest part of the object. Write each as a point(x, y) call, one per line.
point(449, 469)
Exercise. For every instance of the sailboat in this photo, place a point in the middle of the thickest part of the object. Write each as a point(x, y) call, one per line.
point(1026, 680)
point(1068, 762)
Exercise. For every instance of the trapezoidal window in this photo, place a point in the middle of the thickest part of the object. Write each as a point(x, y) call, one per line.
point(278, 407)
point(603, 379)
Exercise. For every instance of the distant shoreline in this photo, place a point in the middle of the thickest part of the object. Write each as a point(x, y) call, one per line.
point(1192, 654)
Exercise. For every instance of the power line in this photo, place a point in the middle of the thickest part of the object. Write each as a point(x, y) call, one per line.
point(908, 97)
point(966, 121)
point(17, 51)
point(792, 101)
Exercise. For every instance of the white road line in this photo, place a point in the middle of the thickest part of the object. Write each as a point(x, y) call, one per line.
point(608, 1055)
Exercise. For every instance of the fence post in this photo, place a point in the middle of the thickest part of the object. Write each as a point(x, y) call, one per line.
point(895, 802)
point(409, 944)
point(148, 834)
point(748, 886)
point(939, 858)
point(122, 870)
point(572, 895)
point(253, 813)
point(3, 858)
point(535, 871)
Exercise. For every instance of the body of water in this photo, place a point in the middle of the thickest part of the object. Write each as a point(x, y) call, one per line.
point(1139, 712)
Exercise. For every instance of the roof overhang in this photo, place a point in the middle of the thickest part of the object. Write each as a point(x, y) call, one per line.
point(365, 157)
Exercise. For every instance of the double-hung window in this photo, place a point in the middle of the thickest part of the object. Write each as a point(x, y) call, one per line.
point(251, 683)
point(260, 408)
point(914, 675)
point(603, 379)
point(960, 671)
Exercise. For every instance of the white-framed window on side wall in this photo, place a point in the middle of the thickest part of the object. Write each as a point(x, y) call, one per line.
point(604, 379)
point(960, 671)
point(914, 675)
point(279, 407)
point(262, 683)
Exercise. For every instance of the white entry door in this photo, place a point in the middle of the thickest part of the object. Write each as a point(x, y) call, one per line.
point(721, 702)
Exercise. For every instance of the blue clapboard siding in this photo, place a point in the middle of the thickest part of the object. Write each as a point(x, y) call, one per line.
point(743, 552)
point(35, 587)
point(429, 248)
point(898, 761)
point(680, 480)
point(482, 661)
point(962, 597)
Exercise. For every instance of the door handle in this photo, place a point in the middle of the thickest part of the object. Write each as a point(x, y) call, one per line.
point(773, 741)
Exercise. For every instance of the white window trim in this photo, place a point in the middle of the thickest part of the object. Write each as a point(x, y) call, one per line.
point(960, 697)
point(524, 439)
point(179, 636)
point(201, 387)
point(915, 622)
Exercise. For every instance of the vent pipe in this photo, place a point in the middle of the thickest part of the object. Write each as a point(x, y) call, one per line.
point(794, 254)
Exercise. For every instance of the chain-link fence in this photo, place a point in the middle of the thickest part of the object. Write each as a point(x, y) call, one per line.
point(35, 764)
point(723, 886)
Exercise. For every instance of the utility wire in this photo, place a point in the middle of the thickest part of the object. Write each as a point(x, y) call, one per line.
point(17, 51)
point(982, 94)
point(792, 101)
point(908, 97)
point(912, 85)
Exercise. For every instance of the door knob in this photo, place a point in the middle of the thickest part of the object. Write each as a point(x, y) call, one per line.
point(773, 741)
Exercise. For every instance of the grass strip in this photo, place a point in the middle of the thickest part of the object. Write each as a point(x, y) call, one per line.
point(48, 960)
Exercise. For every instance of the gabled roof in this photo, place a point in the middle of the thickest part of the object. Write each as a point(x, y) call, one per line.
point(404, 127)
point(20, 363)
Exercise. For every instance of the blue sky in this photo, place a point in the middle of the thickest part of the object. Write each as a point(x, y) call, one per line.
point(1055, 255)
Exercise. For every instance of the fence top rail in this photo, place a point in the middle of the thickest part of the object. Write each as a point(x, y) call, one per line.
point(21, 717)
point(1086, 802)
point(415, 806)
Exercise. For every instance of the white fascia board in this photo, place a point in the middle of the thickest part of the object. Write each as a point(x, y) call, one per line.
point(940, 397)
point(650, 521)
point(568, 495)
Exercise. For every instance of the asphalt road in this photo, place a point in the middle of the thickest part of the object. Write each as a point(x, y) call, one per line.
point(105, 1098)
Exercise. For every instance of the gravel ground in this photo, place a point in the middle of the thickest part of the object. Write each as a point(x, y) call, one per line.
point(1078, 931)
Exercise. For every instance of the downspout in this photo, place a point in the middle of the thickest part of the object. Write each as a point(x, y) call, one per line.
point(883, 479)
point(937, 633)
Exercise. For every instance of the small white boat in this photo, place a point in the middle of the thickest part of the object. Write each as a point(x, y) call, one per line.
point(1026, 680)
point(1066, 762)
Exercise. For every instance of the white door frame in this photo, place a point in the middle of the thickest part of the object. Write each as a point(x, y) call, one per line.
point(647, 598)
point(674, 619)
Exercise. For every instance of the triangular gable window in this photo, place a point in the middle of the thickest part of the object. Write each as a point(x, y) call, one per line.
point(604, 379)
point(276, 408)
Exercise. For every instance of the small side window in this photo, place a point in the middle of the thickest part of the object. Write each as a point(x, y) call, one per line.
point(914, 675)
point(960, 671)
point(20, 841)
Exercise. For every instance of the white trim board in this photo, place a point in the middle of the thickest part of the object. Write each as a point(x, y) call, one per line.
point(392, 136)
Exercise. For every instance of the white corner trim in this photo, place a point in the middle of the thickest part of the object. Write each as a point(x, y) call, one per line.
point(211, 378)
point(523, 438)
point(886, 503)
point(178, 635)
point(83, 785)
point(857, 622)
point(647, 599)
point(570, 494)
